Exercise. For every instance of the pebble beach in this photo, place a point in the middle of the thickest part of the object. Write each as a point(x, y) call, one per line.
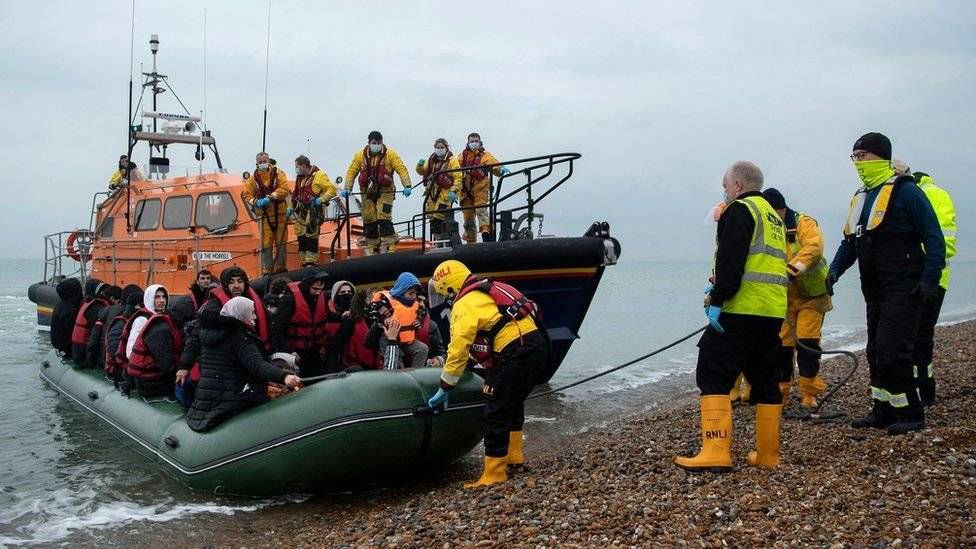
point(616, 486)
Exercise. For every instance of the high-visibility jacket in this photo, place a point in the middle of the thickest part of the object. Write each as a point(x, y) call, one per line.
point(480, 157)
point(804, 254)
point(142, 364)
point(314, 185)
point(379, 167)
point(945, 210)
point(512, 305)
point(272, 184)
point(81, 330)
point(879, 208)
point(306, 329)
point(261, 326)
point(764, 283)
point(405, 314)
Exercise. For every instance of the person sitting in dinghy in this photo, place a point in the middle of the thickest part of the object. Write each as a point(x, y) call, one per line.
point(400, 304)
point(299, 325)
point(233, 372)
point(233, 283)
point(65, 312)
point(157, 349)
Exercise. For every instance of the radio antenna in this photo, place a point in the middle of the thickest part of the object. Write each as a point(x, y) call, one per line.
point(130, 143)
point(267, 70)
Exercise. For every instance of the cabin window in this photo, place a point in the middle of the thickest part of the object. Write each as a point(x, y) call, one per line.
point(215, 210)
point(107, 227)
point(176, 214)
point(147, 214)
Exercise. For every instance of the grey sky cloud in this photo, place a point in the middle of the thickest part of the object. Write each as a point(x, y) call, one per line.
point(659, 97)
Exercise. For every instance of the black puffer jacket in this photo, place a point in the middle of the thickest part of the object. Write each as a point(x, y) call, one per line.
point(63, 318)
point(96, 338)
point(233, 374)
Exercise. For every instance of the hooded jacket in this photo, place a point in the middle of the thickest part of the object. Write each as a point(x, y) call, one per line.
point(149, 304)
point(94, 289)
point(159, 342)
point(233, 373)
point(63, 318)
point(286, 309)
point(95, 349)
point(403, 283)
point(209, 314)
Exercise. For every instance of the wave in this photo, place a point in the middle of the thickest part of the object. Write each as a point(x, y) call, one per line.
point(56, 516)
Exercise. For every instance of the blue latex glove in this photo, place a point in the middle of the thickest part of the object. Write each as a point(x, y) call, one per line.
point(505, 170)
point(439, 399)
point(421, 161)
point(708, 288)
point(290, 212)
point(262, 202)
point(712, 313)
point(452, 196)
point(407, 191)
point(316, 202)
point(344, 193)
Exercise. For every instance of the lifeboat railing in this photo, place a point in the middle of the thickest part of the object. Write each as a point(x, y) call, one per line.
point(537, 186)
point(72, 245)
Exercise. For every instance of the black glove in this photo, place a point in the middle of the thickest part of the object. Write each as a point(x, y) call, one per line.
point(927, 290)
point(832, 279)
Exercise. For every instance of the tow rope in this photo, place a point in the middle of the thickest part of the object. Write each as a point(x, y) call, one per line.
point(815, 415)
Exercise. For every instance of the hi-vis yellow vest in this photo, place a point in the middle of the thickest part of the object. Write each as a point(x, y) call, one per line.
point(852, 225)
point(764, 283)
point(813, 283)
point(945, 211)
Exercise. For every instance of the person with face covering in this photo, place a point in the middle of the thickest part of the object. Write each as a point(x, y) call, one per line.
point(64, 315)
point(233, 371)
point(313, 192)
point(442, 188)
point(116, 319)
point(234, 283)
point(476, 189)
point(299, 325)
point(157, 350)
point(401, 308)
point(338, 324)
point(374, 166)
point(266, 191)
point(893, 234)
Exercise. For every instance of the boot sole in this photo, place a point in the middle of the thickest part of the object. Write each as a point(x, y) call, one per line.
point(707, 469)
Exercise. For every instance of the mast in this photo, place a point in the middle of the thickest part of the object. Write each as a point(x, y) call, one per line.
point(130, 142)
point(267, 69)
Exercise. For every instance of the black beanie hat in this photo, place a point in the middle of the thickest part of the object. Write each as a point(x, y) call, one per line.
point(375, 134)
point(114, 292)
point(132, 291)
point(775, 198)
point(876, 143)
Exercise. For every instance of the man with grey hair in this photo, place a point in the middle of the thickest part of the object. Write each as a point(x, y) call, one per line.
point(745, 306)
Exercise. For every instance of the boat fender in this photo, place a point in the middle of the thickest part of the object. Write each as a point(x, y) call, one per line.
point(92, 395)
point(172, 442)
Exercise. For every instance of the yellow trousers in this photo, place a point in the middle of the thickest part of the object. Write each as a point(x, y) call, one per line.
point(476, 194)
point(274, 231)
point(378, 222)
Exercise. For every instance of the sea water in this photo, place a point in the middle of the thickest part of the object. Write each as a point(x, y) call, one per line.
point(66, 478)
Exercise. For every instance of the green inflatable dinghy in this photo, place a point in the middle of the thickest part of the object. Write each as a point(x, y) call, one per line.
point(365, 424)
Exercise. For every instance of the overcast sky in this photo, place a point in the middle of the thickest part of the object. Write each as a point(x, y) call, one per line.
point(658, 97)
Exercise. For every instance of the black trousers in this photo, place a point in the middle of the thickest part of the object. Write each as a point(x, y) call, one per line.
point(516, 371)
point(807, 362)
point(893, 310)
point(925, 344)
point(750, 346)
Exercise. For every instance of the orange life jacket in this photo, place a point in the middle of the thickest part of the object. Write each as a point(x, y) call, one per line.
point(261, 326)
point(79, 334)
point(474, 159)
point(306, 329)
point(512, 305)
point(378, 173)
point(406, 315)
point(142, 364)
point(120, 362)
point(434, 165)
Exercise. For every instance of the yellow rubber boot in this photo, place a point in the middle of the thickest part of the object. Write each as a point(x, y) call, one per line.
point(810, 389)
point(494, 472)
point(716, 434)
point(767, 436)
point(785, 388)
point(745, 390)
point(516, 452)
point(735, 395)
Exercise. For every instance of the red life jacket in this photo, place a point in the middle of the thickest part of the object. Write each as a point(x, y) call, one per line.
point(434, 165)
point(79, 334)
point(512, 305)
point(120, 362)
point(306, 329)
point(260, 190)
point(474, 160)
point(112, 366)
point(378, 173)
point(261, 326)
point(423, 334)
point(357, 353)
point(142, 364)
point(303, 188)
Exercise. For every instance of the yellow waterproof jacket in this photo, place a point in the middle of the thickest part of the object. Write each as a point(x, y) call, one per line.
point(945, 211)
point(116, 180)
point(322, 186)
point(451, 164)
point(473, 313)
point(280, 191)
point(393, 164)
point(811, 250)
point(486, 159)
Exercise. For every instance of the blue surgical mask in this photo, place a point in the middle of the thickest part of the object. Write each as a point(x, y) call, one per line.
point(375, 148)
point(474, 145)
point(440, 152)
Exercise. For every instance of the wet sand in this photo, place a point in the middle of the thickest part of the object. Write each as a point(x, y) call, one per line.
point(616, 486)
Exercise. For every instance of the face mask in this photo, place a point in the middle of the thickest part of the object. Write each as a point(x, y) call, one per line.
point(375, 148)
point(474, 145)
point(874, 172)
point(263, 166)
point(440, 152)
point(299, 171)
point(343, 301)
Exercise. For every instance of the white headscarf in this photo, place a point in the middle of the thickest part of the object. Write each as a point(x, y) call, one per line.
point(149, 301)
point(240, 308)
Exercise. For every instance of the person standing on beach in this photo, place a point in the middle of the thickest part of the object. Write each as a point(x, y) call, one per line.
point(745, 307)
point(888, 223)
point(807, 301)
